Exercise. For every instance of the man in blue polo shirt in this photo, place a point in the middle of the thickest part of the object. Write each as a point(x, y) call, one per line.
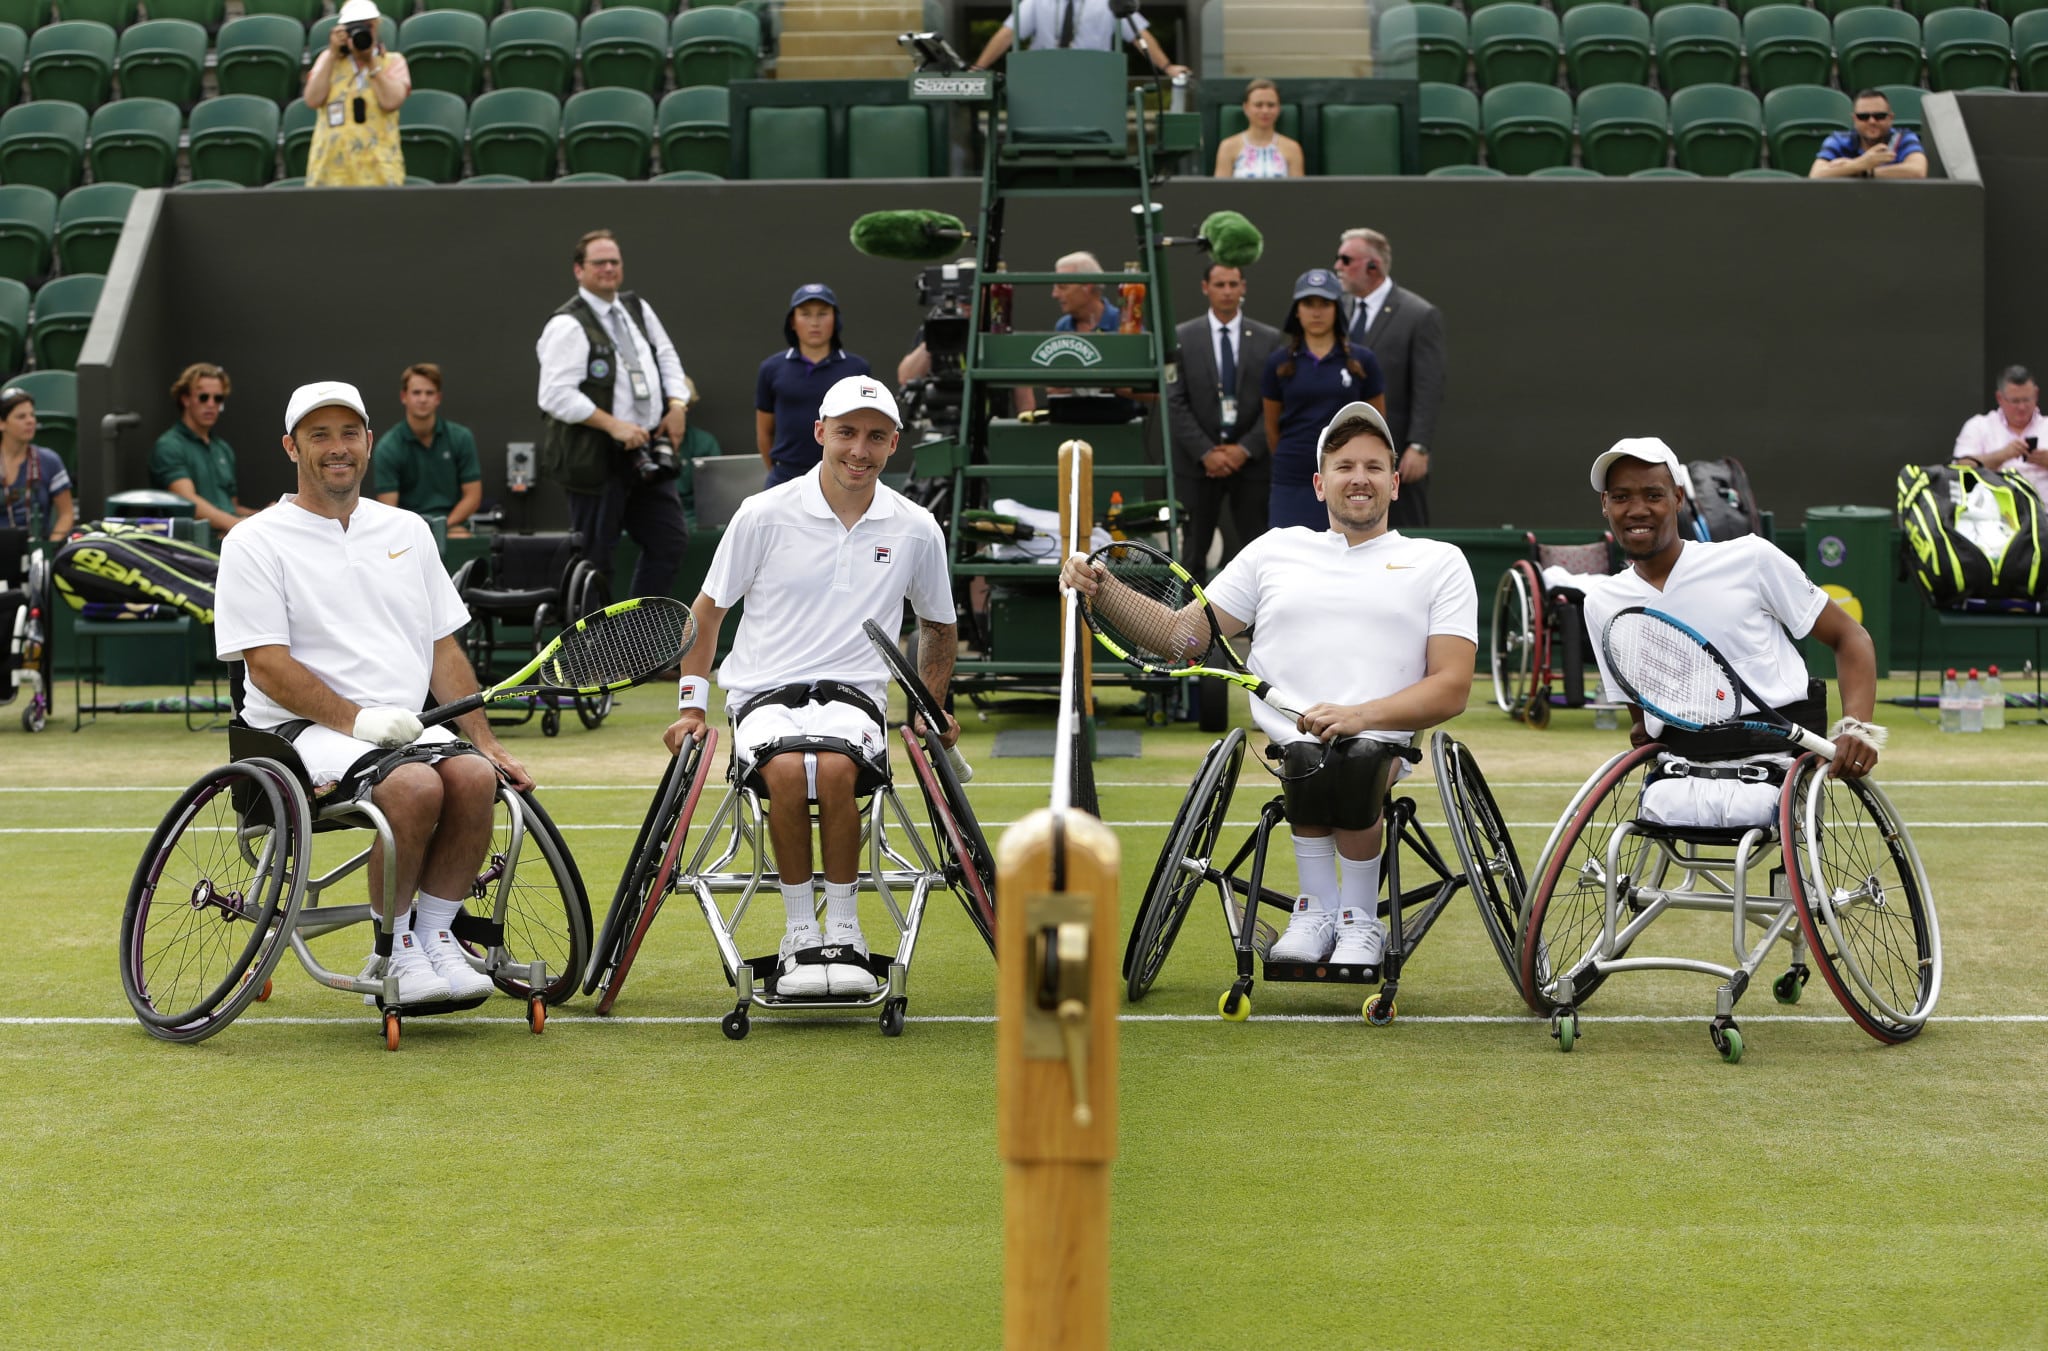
point(426, 463)
point(1873, 148)
point(793, 382)
point(1082, 307)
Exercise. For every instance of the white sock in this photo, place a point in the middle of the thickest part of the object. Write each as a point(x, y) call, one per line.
point(1361, 884)
point(399, 927)
point(1315, 859)
point(798, 907)
point(433, 913)
point(842, 902)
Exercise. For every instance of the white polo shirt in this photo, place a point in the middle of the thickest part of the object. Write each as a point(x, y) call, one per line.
point(810, 582)
point(361, 608)
point(1988, 432)
point(1343, 623)
point(1743, 594)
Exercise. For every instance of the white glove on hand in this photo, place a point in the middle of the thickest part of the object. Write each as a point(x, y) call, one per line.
point(388, 727)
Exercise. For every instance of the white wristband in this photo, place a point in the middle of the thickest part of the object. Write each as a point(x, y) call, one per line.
point(693, 692)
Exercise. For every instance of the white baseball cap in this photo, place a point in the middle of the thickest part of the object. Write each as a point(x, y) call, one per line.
point(1648, 449)
point(358, 11)
point(322, 394)
point(1352, 412)
point(859, 391)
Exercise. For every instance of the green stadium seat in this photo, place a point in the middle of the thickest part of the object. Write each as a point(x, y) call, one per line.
point(115, 14)
point(2030, 50)
point(1877, 47)
point(445, 50)
point(1662, 172)
point(1567, 171)
point(135, 141)
point(1787, 45)
point(1967, 49)
point(233, 137)
point(432, 124)
point(486, 180)
point(688, 176)
point(1606, 44)
point(593, 176)
point(162, 59)
point(13, 324)
point(1564, 7)
point(1798, 118)
point(1466, 171)
point(2011, 10)
point(665, 8)
point(1473, 5)
point(208, 14)
point(575, 9)
point(13, 56)
point(390, 32)
point(625, 49)
point(63, 314)
point(695, 130)
point(890, 141)
point(515, 131)
point(1920, 9)
point(1655, 7)
point(1449, 126)
point(28, 223)
point(483, 9)
point(714, 46)
point(1717, 129)
point(1514, 43)
point(1905, 101)
point(305, 11)
point(1528, 127)
point(297, 129)
point(43, 143)
point(1782, 175)
point(89, 222)
point(1696, 44)
point(1836, 8)
point(56, 399)
point(73, 62)
point(294, 182)
point(1623, 128)
point(608, 131)
point(208, 185)
point(533, 49)
point(27, 15)
point(787, 142)
point(1361, 140)
point(260, 54)
point(1434, 39)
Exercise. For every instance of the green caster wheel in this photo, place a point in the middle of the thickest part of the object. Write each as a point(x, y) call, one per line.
point(1564, 1025)
point(1727, 1040)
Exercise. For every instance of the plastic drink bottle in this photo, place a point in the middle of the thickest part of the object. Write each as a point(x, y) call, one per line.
point(1973, 703)
point(1994, 702)
point(1131, 296)
point(1002, 301)
point(1951, 702)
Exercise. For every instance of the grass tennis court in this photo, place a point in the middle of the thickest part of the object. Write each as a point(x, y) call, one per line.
point(1299, 1180)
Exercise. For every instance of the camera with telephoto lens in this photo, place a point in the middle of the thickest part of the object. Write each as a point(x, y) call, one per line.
point(947, 293)
point(362, 35)
point(654, 462)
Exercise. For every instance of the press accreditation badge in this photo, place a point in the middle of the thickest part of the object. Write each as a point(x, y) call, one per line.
point(1229, 411)
point(336, 112)
point(640, 391)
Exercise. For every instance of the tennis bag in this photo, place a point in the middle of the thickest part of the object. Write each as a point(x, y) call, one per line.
point(1723, 506)
point(1971, 535)
point(134, 569)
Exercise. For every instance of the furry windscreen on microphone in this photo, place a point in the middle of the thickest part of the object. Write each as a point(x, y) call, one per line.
point(909, 236)
point(1233, 240)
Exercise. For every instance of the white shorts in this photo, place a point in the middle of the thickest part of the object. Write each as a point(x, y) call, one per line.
point(774, 722)
point(328, 755)
point(1711, 804)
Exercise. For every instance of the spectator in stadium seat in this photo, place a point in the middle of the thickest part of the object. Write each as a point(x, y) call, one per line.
point(426, 463)
point(2011, 435)
point(1312, 374)
point(1406, 335)
point(1873, 148)
point(1219, 426)
point(792, 382)
point(357, 88)
point(35, 488)
point(1260, 151)
point(189, 459)
point(1087, 25)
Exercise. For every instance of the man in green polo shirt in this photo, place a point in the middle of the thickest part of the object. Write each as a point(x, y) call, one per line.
point(426, 463)
point(189, 460)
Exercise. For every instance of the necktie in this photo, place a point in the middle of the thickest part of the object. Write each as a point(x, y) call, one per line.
point(1358, 321)
point(1067, 25)
point(628, 357)
point(1227, 367)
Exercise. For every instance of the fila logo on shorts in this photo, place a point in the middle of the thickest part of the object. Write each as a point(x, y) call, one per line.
point(882, 553)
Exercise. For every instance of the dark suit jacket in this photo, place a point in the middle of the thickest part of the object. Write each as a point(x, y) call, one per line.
point(1407, 336)
point(1194, 408)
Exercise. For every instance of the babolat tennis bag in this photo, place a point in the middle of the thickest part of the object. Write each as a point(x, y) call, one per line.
point(135, 570)
point(1971, 535)
point(1723, 507)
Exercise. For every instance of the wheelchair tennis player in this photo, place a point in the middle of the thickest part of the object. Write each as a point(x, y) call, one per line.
point(805, 691)
point(344, 619)
point(1382, 625)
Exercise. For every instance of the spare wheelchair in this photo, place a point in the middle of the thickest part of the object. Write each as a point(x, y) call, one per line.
point(520, 596)
point(1539, 631)
point(25, 598)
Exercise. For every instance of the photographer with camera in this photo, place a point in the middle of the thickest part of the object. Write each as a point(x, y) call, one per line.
point(356, 88)
point(791, 382)
point(612, 399)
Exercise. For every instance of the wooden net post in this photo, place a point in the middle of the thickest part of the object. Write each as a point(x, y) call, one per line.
point(1077, 489)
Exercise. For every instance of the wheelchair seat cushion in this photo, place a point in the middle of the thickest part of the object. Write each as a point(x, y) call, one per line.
point(511, 604)
point(1343, 785)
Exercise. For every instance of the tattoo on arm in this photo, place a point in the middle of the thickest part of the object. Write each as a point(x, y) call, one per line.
point(937, 645)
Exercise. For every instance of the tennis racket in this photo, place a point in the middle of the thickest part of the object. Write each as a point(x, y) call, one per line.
point(922, 704)
point(1670, 668)
point(1152, 614)
point(619, 646)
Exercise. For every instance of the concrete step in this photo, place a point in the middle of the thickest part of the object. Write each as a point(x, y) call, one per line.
point(842, 67)
point(1290, 16)
point(826, 43)
point(896, 15)
point(1335, 43)
point(1328, 65)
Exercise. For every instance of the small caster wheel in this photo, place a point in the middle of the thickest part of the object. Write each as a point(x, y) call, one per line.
point(1234, 1005)
point(1564, 1025)
point(735, 1025)
point(892, 1018)
point(536, 1014)
point(263, 995)
point(34, 718)
point(390, 1031)
point(1727, 1038)
point(1785, 989)
point(551, 723)
point(1379, 1010)
point(1537, 711)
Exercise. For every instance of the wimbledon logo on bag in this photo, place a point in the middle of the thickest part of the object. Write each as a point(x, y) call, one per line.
point(1066, 345)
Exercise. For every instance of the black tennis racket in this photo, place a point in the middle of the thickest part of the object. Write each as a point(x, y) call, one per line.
point(922, 704)
point(1669, 667)
point(619, 646)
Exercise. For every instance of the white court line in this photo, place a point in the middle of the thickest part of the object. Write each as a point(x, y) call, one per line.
point(1041, 784)
point(1524, 1020)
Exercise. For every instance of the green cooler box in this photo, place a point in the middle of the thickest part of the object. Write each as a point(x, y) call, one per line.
point(1849, 555)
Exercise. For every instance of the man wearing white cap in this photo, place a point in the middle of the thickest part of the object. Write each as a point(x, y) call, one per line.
point(1752, 602)
point(345, 620)
point(814, 558)
point(355, 89)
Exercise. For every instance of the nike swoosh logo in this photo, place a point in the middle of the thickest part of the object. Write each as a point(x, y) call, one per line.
point(1400, 567)
point(402, 552)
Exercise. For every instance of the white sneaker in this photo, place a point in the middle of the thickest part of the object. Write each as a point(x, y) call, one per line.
point(418, 982)
point(1361, 939)
point(847, 980)
point(1311, 932)
point(445, 954)
point(796, 980)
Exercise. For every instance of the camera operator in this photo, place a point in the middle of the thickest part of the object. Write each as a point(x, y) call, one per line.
point(612, 400)
point(356, 88)
point(931, 376)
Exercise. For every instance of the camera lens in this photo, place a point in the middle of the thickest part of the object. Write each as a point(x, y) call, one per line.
point(360, 36)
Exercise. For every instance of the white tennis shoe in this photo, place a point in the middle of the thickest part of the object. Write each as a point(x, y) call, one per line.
point(445, 955)
point(1311, 932)
point(800, 980)
point(846, 979)
point(418, 982)
point(1361, 939)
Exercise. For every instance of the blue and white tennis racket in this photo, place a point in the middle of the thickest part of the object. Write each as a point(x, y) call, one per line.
point(1673, 672)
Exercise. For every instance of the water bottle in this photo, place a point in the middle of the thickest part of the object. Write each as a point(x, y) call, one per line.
point(1951, 702)
point(1994, 702)
point(1973, 703)
point(1132, 296)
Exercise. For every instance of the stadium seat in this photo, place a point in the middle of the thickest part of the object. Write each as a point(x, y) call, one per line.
point(688, 176)
point(486, 180)
point(533, 49)
point(296, 182)
point(1466, 171)
point(1528, 127)
point(1877, 47)
point(1514, 43)
point(714, 46)
point(592, 176)
point(431, 127)
point(1905, 101)
point(64, 309)
point(297, 125)
point(1967, 49)
point(73, 62)
point(1798, 118)
point(260, 54)
point(1696, 44)
point(1782, 175)
point(445, 50)
point(1836, 8)
point(1567, 171)
point(27, 15)
point(895, 141)
point(1655, 7)
point(56, 398)
point(1787, 44)
point(43, 143)
point(13, 324)
point(1361, 139)
point(1434, 39)
point(787, 142)
point(234, 138)
point(208, 14)
point(89, 222)
point(608, 131)
point(2030, 50)
point(28, 222)
point(1663, 172)
point(135, 141)
point(1606, 44)
point(1717, 129)
point(1623, 128)
point(695, 128)
point(483, 9)
point(162, 59)
point(1473, 5)
point(305, 11)
point(575, 9)
point(2011, 10)
point(115, 14)
point(1920, 9)
point(1450, 126)
point(515, 131)
point(208, 185)
point(13, 56)
point(665, 8)
point(625, 49)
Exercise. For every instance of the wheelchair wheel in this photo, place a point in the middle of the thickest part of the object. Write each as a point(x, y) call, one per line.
point(644, 857)
point(216, 889)
point(1863, 900)
point(1517, 616)
point(547, 913)
point(970, 866)
point(658, 855)
point(1178, 875)
point(1485, 849)
point(587, 593)
point(1567, 903)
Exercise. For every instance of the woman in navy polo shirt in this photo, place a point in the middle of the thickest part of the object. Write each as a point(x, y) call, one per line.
point(1307, 380)
point(793, 382)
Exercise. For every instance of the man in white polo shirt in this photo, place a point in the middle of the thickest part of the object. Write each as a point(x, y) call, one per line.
point(1383, 630)
point(814, 558)
point(344, 618)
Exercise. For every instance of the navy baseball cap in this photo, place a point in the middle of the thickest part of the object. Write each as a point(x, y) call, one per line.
point(1318, 282)
point(814, 290)
point(809, 291)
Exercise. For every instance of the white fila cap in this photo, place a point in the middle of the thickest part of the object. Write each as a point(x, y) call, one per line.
point(859, 391)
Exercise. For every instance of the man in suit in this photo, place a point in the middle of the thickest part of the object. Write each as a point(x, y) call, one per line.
point(1218, 422)
point(1406, 334)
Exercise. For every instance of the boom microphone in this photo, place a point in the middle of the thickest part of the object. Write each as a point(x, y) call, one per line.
point(1233, 240)
point(911, 236)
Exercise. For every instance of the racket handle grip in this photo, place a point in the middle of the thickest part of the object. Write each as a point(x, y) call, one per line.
point(960, 765)
point(450, 712)
point(1819, 745)
point(1282, 703)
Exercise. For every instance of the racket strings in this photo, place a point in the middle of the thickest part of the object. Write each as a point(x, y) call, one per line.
point(1143, 608)
point(1668, 669)
point(621, 647)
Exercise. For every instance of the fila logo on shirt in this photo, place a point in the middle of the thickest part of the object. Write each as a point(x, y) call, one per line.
point(882, 553)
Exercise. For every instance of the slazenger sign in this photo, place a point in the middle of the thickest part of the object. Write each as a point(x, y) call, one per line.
point(1066, 345)
point(949, 86)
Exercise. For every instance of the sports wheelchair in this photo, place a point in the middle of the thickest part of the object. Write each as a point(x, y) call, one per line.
point(227, 882)
point(535, 585)
point(1843, 883)
point(25, 598)
point(1539, 632)
point(1485, 856)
